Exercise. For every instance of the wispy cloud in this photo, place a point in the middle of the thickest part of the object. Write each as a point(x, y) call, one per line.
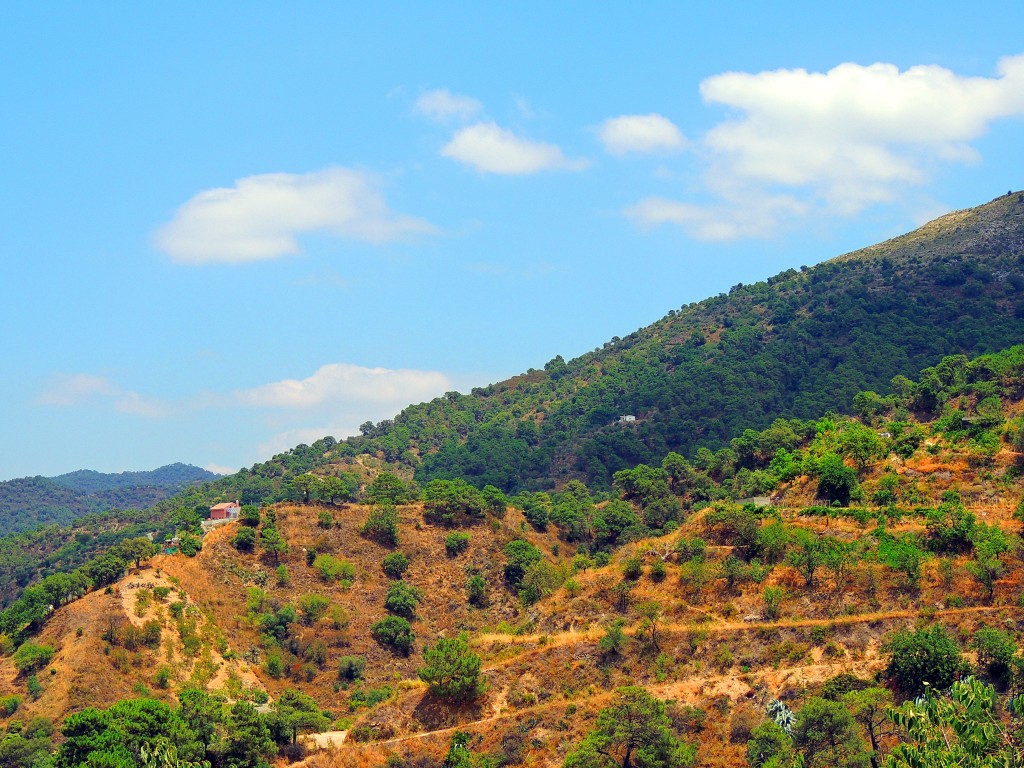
point(261, 217)
point(492, 149)
point(640, 133)
point(220, 469)
point(442, 105)
point(71, 390)
point(833, 142)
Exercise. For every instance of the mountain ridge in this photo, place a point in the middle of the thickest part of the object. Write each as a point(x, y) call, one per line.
point(28, 502)
point(799, 343)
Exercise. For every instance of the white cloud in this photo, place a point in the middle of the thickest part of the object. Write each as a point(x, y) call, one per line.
point(262, 216)
point(442, 105)
point(832, 143)
point(219, 469)
point(492, 149)
point(67, 391)
point(640, 133)
point(346, 382)
point(755, 218)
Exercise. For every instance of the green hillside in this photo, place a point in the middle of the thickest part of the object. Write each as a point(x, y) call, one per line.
point(794, 346)
point(28, 502)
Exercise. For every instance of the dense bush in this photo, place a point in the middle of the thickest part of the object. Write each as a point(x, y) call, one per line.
point(928, 655)
point(402, 599)
point(394, 632)
point(395, 564)
point(456, 543)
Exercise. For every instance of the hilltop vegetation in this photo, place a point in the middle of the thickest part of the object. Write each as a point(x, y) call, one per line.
point(27, 503)
point(794, 346)
point(526, 630)
point(796, 555)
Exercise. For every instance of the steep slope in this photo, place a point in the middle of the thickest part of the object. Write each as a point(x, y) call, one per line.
point(727, 609)
point(796, 345)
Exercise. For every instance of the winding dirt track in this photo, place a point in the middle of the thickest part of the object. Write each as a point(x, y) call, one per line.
point(697, 686)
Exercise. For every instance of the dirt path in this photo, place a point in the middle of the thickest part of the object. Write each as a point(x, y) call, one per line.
point(697, 687)
point(325, 739)
point(593, 633)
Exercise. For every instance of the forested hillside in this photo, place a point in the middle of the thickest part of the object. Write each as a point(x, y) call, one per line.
point(865, 611)
point(29, 502)
point(794, 346)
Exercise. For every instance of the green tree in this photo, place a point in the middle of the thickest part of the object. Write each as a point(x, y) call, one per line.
point(925, 657)
point(313, 608)
point(806, 554)
point(273, 542)
point(244, 540)
point(769, 745)
point(826, 734)
point(247, 742)
point(961, 729)
point(388, 489)
point(203, 712)
point(836, 481)
point(137, 550)
point(296, 712)
point(997, 651)
point(521, 555)
point(402, 599)
point(382, 524)
point(633, 732)
point(394, 632)
point(860, 443)
point(869, 707)
point(452, 669)
point(395, 564)
point(650, 613)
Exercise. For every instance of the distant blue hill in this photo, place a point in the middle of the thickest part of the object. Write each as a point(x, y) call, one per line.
point(28, 502)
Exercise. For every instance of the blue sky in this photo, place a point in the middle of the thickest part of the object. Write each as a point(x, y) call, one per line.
point(230, 228)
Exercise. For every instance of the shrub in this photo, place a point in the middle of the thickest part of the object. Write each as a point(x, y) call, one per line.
point(395, 564)
point(402, 599)
point(332, 568)
point(689, 549)
point(9, 705)
point(31, 657)
point(163, 677)
point(351, 667)
point(996, 651)
point(394, 632)
point(275, 665)
point(245, 539)
point(614, 641)
point(476, 589)
point(151, 633)
point(929, 655)
point(281, 575)
point(521, 555)
point(382, 524)
point(658, 570)
point(452, 669)
point(325, 520)
point(35, 689)
point(456, 543)
point(633, 567)
point(313, 608)
point(161, 593)
point(773, 597)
